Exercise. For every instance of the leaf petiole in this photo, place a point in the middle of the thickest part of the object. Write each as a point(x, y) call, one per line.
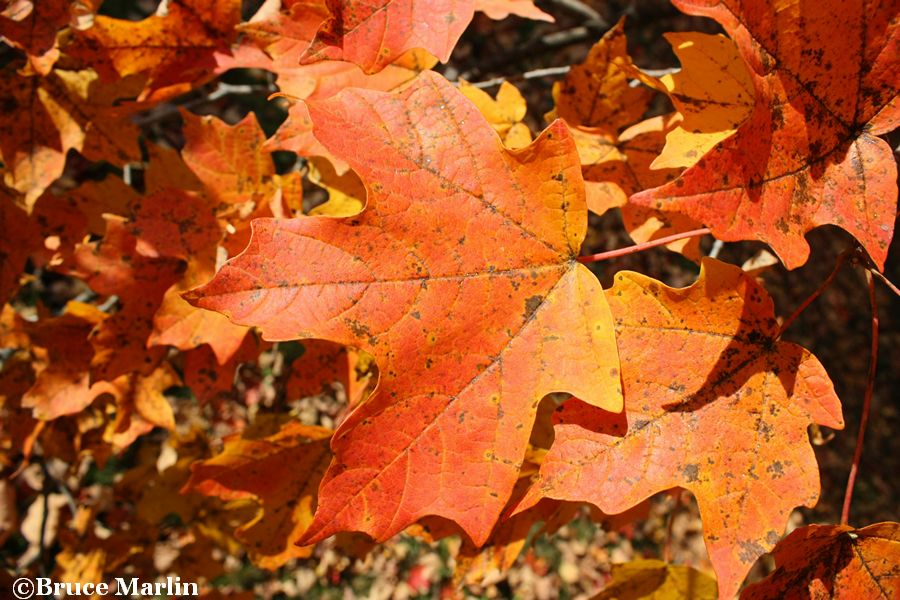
point(867, 402)
point(841, 259)
point(589, 258)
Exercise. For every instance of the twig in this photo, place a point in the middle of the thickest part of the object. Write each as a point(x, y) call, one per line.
point(842, 257)
point(582, 10)
point(535, 74)
point(558, 39)
point(867, 403)
point(43, 557)
point(667, 557)
point(545, 43)
point(642, 246)
point(885, 281)
point(660, 72)
point(169, 109)
point(716, 248)
point(551, 72)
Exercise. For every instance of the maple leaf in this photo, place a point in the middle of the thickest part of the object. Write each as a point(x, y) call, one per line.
point(64, 221)
point(460, 277)
point(283, 472)
point(596, 100)
point(67, 111)
point(20, 237)
point(321, 364)
point(63, 385)
point(505, 113)
point(501, 9)
point(168, 170)
point(655, 579)
point(614, 168)
point(112, 266)
point(834, 561)
point(346, 193)
point(175, 45)
point(177, 224)
point(207, 378)
point(227, 165)
point(374, 34)
point(229, 160)
point(808, 155)
point(596, 93)
point(140, 404)
point(722, 412)
point(32, 28)
point(286, 28)
point(713, 92)
point(325, 79)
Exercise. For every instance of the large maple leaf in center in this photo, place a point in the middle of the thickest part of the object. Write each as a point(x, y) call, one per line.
point(460, 277)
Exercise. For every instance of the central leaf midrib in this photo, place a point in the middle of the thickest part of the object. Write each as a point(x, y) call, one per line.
point(526, 270)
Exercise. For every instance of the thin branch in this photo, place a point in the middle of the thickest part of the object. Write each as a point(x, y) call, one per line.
point(885, 281)
point(589, 30)
point(43, 556)
point(667, 552)
point(659, 72)
point(552, 72)
point(841, 259)
point(222, 90)
point(642, 246)
point(535, 74)
point(867, 403)
point(581, 9)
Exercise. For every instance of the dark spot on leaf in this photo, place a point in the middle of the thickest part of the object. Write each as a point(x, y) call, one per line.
point(750, 551)
point(531, 305)
point(691, 473)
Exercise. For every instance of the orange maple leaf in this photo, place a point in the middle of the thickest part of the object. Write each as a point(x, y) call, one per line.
point(177, 224)
point(113, 266)
point(374, 34)
point(834, 561)
point(808, 155)
point(596, 100)
point(286, 29)
point(176, 45)
point(230, 162)
point(323, 80)
point(460, 277)
point(62, 385)
point(20, 237)
point(68, 110)
point(32, 26)
point(283, 472)
point(321, 364)
point(624, 169)
point(207, 378)
point(714, 403)
point(596, 93)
